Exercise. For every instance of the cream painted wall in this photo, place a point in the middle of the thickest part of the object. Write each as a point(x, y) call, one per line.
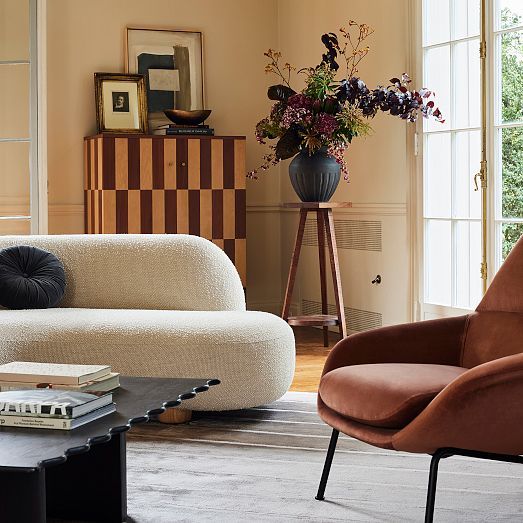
point(88, 36)
point(378, 164)
point(84, 37)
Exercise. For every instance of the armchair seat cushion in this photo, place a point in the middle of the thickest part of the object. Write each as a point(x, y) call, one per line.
point(386, 395)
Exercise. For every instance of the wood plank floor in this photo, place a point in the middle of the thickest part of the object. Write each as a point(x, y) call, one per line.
point(310, 357)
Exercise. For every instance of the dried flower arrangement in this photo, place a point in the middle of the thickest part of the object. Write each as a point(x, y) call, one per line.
point(330, 112)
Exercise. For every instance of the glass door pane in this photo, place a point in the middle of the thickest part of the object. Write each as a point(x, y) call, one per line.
point(451, 157)
point(16, 116)
point(14, 30)
point(508, 126)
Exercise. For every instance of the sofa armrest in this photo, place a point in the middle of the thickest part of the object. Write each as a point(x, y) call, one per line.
point(433, 341)
point(481, 410)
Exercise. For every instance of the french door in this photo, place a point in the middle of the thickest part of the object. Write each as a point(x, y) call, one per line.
point(22, 119)
point(473, 163)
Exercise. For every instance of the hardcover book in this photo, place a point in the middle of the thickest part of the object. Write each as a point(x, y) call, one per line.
point(104, 384)
point(59, 373)
point(56, 423)
point(50, 403)
point(190, 130)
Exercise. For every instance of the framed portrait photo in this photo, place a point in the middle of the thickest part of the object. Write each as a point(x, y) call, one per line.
point(121, 103)
point(171, 62)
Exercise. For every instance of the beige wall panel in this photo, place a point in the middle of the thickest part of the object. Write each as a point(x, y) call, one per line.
point(14, 105)
point(121, 163)
point(14, 179)
point(14, 30)
point(66, 219)
point(14, 227)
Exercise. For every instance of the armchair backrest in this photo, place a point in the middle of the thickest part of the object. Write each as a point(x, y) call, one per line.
point(154, 271)
point(495, 330)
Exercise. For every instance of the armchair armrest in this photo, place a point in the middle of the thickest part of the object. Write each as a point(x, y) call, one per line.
point(481, 410)
point(433, 341)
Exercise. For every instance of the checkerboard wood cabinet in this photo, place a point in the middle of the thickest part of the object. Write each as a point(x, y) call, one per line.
point(168, 184)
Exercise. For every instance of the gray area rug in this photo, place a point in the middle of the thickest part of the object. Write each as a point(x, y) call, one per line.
point(264, 464)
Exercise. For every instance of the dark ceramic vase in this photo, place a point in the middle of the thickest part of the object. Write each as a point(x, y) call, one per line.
point(314, 177)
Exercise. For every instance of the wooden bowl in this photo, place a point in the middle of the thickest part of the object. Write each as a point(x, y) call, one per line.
point(180, 117)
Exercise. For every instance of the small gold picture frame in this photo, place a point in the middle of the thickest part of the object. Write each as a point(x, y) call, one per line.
point(121, 103)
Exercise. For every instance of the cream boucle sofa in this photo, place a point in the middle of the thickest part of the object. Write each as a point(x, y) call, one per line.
point(155, 305)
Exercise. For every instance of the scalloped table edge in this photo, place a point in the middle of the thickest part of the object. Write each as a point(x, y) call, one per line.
point(82, 449)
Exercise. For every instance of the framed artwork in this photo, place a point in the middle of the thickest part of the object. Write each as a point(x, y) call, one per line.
point(171, 62)
point(121, 103)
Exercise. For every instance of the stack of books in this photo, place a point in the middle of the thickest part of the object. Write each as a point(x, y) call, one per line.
point(19, 375)
point(52, 409)
point(177, 130)
point(54, 395)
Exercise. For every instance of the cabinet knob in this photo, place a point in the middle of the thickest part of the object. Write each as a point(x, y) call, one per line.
point(183, 164)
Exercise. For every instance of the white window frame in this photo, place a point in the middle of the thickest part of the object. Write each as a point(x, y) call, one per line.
point(494, 218)
point(37, 139)
point(421, 309)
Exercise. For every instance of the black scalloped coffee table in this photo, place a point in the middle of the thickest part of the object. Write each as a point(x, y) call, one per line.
point(81, 474)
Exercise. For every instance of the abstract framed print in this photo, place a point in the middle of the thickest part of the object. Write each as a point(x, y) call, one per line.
point(171, 62)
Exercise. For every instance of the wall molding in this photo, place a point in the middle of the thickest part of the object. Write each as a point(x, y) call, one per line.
point(18, 205)
point(376, 209)
point(59, 209)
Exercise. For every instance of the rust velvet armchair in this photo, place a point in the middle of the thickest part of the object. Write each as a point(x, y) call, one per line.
point(445, 387)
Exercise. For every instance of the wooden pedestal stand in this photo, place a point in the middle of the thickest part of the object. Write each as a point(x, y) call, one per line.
point(325, 225)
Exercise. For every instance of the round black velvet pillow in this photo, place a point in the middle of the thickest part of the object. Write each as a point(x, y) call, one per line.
point(30, 278)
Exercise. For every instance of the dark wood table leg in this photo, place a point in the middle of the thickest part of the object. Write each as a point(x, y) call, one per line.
point(320, 223)
point(294, 265)
point(90, 486)
point(23, 496)
point(335, 268)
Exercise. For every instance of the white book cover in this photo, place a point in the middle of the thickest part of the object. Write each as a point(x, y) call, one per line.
point(56, 423)
point(56, 373)
point(50, 403)
point(104, 384)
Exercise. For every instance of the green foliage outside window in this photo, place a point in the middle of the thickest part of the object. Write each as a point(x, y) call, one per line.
point(512, 138)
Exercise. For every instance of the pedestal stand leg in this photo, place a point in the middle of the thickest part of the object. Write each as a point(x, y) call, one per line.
point(320, 222)
point(335, 268)
point(294, 265)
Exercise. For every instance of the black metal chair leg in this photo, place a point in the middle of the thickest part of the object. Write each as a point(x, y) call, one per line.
point(327, 467)
point(431, 491)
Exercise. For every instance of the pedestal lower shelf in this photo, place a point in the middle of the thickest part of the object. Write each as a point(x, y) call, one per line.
point(313, 320)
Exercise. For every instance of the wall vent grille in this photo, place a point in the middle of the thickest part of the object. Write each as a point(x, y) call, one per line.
point(356, 319)
point(363, 235)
